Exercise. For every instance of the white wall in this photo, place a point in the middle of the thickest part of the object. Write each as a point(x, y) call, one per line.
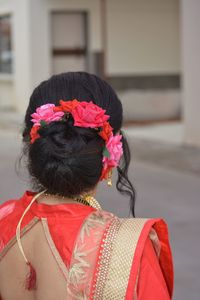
point(7, 95)
point(7, 92)
point(22, 52)
point(191, 70)
point(16, 92)
point(143, 37)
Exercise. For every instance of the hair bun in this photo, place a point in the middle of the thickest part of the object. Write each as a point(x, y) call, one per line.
point(66, 159)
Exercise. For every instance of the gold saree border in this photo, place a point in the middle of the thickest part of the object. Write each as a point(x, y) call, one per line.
point(24, 230)
point(104, 258)
point(123, 251)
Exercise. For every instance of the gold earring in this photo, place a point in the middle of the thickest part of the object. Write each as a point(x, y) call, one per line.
point(109, 182)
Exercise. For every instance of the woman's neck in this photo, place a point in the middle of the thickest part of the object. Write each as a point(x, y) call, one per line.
point(57, 199)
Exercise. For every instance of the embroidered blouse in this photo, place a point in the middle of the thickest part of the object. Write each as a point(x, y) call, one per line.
point(82, 240)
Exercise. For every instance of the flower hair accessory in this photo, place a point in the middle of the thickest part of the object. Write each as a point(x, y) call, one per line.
point(85, 114)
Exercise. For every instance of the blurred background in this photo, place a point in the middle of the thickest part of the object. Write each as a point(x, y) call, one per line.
point(149, 51)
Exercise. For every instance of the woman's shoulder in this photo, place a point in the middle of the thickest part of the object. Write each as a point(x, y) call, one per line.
point(7, 207)
point(13, 205)
point(146, 226)
point(7, 210)
point(10, 212)
point(128, 240)
point(148, 240)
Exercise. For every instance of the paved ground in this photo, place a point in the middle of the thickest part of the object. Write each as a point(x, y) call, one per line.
point(166, 178)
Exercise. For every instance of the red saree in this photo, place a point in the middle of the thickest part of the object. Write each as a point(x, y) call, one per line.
point(99, 255)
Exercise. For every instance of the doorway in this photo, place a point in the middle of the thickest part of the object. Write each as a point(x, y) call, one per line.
point(69, 41)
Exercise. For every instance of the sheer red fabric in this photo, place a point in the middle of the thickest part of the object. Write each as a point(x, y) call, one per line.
point(64, 223)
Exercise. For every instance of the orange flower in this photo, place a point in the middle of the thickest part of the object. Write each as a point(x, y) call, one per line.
point(106, 131)
point(66, 106)
point(34, 133)
point(105, 172)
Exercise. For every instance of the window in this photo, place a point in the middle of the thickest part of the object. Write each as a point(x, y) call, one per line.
point(5, 44)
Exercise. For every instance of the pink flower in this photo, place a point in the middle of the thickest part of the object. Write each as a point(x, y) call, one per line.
point(46, 113)
point(113, 152)
point(89, 115)
point(114, 147)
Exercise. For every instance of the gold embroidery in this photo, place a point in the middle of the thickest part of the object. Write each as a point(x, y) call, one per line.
point(124, 247)
point(104, 258)
point(13, 240)
point(53, 248)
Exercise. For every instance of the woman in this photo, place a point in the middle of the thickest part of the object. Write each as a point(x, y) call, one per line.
point(57, 242)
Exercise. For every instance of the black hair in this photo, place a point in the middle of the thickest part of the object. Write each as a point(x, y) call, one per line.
point(67, 160)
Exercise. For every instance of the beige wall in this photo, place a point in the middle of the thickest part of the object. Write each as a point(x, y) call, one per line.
point(143, 37)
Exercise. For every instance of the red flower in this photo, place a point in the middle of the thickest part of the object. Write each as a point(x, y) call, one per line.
point(34, 133)
point(106, 131)
point(88, 114)
point(67, 106)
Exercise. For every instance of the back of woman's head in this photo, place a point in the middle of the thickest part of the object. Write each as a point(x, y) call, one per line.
point(66, 159)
